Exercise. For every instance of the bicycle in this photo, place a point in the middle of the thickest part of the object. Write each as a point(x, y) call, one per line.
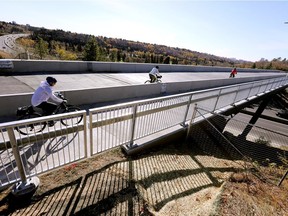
point(29, 112)
point(158, 80)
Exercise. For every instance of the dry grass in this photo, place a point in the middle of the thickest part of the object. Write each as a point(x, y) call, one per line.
point(248, 195)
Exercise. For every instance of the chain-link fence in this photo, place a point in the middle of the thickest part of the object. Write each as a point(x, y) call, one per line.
point(262, 149)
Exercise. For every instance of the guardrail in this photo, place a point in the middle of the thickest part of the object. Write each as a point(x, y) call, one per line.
point(24, 156)
point(124, 124)
point(118, 67)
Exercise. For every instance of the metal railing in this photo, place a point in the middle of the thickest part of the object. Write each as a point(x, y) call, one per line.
point(23, 156)
point(116, 125)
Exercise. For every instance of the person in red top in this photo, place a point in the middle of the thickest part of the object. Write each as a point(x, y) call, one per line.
point(233, 72)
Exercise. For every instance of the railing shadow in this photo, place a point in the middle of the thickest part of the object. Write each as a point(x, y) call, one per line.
point(175, 173)
point(33, 155)
point(54, 202)
point(50, 146)
point(258, 152)
point(209, 141)
point(261, 157)
point(127, 187)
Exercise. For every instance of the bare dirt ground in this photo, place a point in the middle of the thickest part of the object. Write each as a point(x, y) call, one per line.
point(171, 180)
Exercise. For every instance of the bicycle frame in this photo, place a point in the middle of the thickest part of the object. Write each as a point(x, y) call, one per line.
point(158, 79)
point(61, 108)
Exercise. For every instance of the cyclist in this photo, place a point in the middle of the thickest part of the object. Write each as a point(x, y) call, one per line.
point(43, 93)
point(154, 74)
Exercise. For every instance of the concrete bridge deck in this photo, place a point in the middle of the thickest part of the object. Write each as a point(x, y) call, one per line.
point(89, 90)
point(17, 84)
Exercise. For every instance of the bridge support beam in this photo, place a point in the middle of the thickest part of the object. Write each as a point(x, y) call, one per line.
point(255, 117)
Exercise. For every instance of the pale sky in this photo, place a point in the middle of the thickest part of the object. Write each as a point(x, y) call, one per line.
point(248, 30)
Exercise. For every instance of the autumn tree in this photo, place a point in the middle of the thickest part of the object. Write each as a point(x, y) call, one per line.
point(28, 44)
point(167, 60)
point(41, 47)
point(113, 54)
point(65, 55)
point(91, 50)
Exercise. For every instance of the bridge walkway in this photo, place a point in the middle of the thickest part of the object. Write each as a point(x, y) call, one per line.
point(16, 84)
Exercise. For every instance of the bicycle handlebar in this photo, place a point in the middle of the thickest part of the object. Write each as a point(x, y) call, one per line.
point(60, 95)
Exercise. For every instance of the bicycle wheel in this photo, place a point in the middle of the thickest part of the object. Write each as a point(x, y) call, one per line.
point(71, 120)
point(31, 128)
point(147, 81)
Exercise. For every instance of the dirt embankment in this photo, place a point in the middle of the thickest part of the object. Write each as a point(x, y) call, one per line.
point(167, 181)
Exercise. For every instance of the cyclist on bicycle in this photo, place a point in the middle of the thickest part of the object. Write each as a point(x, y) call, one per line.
point(43, 93)
point(154, 74)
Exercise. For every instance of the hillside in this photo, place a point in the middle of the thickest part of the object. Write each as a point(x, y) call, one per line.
point(65, 45)
point(131, 51)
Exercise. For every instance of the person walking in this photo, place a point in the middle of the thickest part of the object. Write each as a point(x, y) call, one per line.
point(233, 72)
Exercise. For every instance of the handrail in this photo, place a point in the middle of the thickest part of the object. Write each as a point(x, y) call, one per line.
point(124, 124)
point(60, 145)
point(99, 109)
point(121, 113)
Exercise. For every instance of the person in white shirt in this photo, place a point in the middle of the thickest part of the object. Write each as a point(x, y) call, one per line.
point(43, 93)
point(154, 74)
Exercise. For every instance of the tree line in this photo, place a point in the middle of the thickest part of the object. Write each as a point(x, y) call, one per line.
point(92, 48)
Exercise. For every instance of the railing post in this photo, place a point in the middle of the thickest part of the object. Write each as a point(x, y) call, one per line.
point(263, 84)
point(85, 134)
point(218, 96)
point(267, 85)
point(133, 125)
point(237, 92)
point(250, 91)
point(91, 132)
point(259, 87)
point(191, 121)
point(25, 186)
point(16, 154)
point(274, 83)
point(194, 114)
point(186, 113)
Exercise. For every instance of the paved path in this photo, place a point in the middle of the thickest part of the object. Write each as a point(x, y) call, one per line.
point(28, 83)
point(8, 44)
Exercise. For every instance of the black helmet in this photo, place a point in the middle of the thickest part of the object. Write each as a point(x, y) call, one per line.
point(157, 67)
point(51, 80)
